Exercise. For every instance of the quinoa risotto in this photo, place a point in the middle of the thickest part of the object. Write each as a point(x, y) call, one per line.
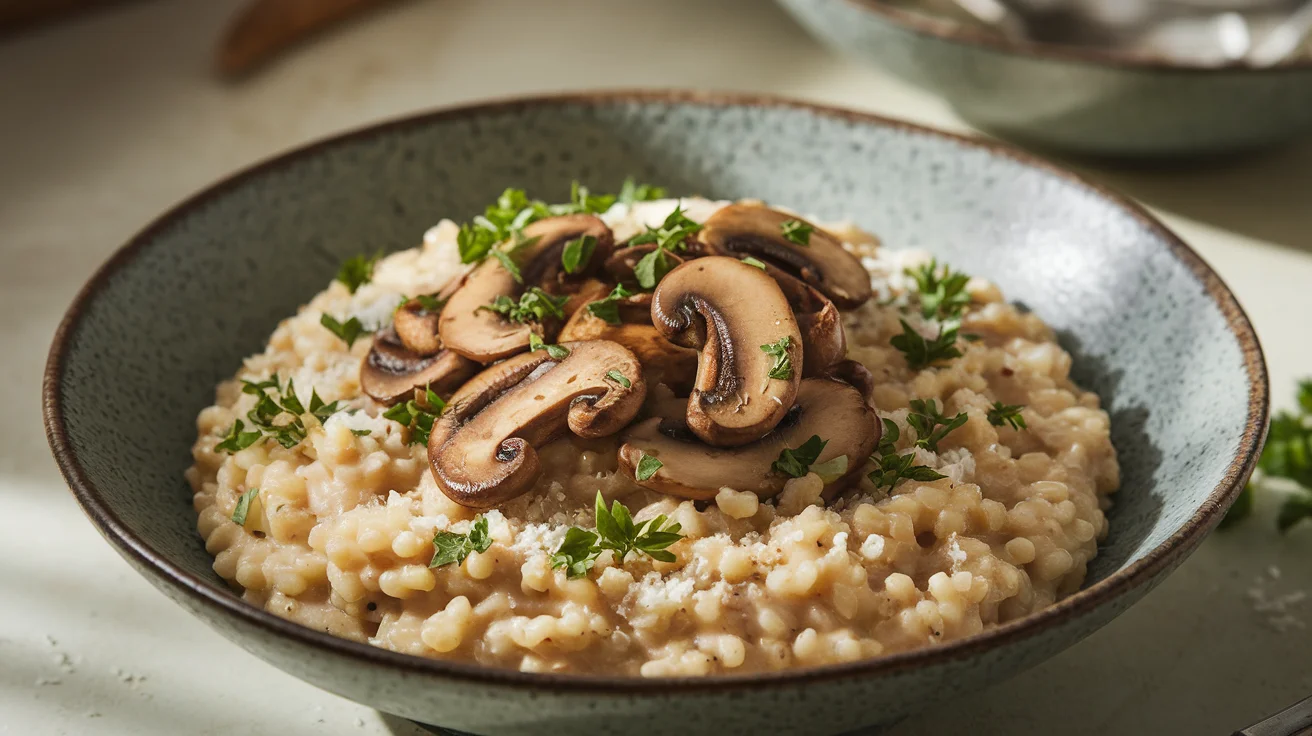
point(964, 486)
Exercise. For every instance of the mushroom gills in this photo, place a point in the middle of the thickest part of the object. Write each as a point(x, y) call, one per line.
point(662, 360)
point(834, 411)
point(731, 313)
point(482, 449)
point(391, 373)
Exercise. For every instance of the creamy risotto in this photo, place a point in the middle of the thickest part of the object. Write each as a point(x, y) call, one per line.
point(820, 467)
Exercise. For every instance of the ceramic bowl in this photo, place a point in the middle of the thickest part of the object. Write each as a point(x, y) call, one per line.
point(1154, 332)
point(1077, 100)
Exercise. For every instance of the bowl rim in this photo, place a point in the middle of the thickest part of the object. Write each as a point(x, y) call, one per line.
point(209, 594)
point(945, 29)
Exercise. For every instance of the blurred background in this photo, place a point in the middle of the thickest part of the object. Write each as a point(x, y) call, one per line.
point(113, 111)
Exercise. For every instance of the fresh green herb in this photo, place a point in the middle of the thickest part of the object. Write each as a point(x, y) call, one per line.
point(582, 201)
point(894, 468)
point(754, 263)
point(556, 352)
point(429, 303)
point(577, 253)
point(1009, 414)
point(449, 547)
point(647, 467)
point(320, 410)
point(942, 295)
point(796, 231)
point(631, 192)
point(534, 305)
point(361, 432)
point(1287, 459)
point(673, 233)
point(243, 507)
point(930, 425)
point(783, 362)
point(236, 439)
point(831, 470)
point(651, 268)
point(418, 419)
point(608, 309)
point(358, 270)
point(797, 463)
point(615, 531)
point(619, 378)
point(348, 331)
point(508, 263)
point(434, 402)
point(921, 352)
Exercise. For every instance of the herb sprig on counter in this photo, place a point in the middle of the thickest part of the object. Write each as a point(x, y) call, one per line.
point(451, 548)
point(1286, 460)
point(615, 531)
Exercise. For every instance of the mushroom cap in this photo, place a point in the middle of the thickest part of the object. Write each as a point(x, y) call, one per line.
point(853, 374)
point(619, 266)
point(741, 230)
point(728, 310)
point(482, 449)
point(667, 363)
point(391, 372)
point(824, 341)
point(416, 326)
point(832, 410)
point(485, 336)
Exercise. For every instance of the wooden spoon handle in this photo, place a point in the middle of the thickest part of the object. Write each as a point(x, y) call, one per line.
point(266, 27)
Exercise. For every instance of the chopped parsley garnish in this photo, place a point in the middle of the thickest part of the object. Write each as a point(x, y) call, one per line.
point(429, 303)
point(556, 352)
point(894, 468)
point(1287, 456)
point(243, 507)
point(449, 547)
point(348, 331)
point(619, 378)
point(358, 270)
point(616, 531)
point(754, 263)
point(236, 439)
point(577, 253)
point(608, 309)
point(508, 263)
point(651, 268)
point(797, 463)
point(361, 432)
point(783, 362)
point(269, 407)
point(418, 418)
point(647, 467)
point(1008, 414)
point(673, 233)
point(534, 305)
point(930, 425)
point(921, 352)
point(942, 296)
point(631, 192)
point(796, 231)
point(582, 201)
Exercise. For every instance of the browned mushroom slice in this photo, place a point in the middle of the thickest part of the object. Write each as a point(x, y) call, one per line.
point(853, 374)
point(416, 320)
point(482, 449)
point(751, 351)
point(742, 230)
point(824, 342)
point(621, 263)
point(391, 373)
point(831, 410)
point(671, 364)
point(484, 335)
point(589, 291)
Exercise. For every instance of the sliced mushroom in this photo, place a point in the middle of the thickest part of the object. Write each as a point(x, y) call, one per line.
point(829, 409)
point(416, 324)
point(741, 230)
point(391, 372)
point(729, 310)
point(671, 364)
point(485, 336)
point(482, 449)
point(621, 264)
point(853, 374)
point(589, 291)
point(824, 342)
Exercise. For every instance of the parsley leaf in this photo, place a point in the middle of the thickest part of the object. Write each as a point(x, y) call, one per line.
point(582, 201)
point(651, 268)
point(754, 263)
point(449, 547)
point(1009, 414)
point(577, 253)
point(428, 303)
point(348, 331)
point(619, 378)
point(270, 406)
point(615, 531)
point(930, 425)
point(608, 309)
point(243, 507)
point(797, 463)
point(942, 296)
point(647, 467)
point(236, 439)
point(796, 231)
point(418, 419)
point(361, 432)
point(556, 352)
point(893, 468)
point(509, 264)
point(783, 362)
point(673, 233)
point(358, 270)
point(534, 305)
point(631, 192)
point(921, 352)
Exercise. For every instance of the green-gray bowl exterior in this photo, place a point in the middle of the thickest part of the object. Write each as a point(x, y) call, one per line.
point(1078, 106)
point(1154, 332)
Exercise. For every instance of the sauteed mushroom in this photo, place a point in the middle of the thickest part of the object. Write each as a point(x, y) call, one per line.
point(482, 449)
point(391, 372)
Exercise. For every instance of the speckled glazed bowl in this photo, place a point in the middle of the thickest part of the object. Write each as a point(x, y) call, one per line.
point(1073, 99)
point(1154, 332)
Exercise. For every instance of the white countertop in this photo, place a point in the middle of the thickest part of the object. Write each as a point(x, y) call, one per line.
point(107, 121)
